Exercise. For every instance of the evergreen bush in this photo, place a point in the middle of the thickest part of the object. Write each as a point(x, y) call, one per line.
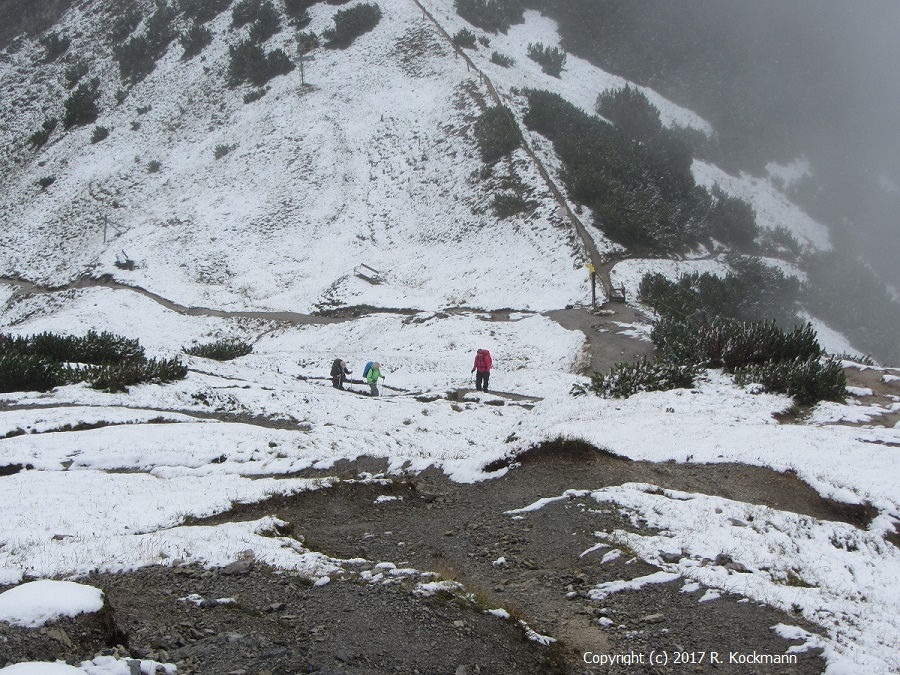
point(497, 133)
point(117, 378)
point(508, 204)
point(123, 25)
point(352, 22)
point(638, 198)
point(154, 166)
point(245, 12)
point(220, 350)
point(135, 59)
point(551, 59)
point(732, 220)
point(74, 72)
point(195, 39)
point(222, 149)
point(267, 23)
point(203, 10)
point(55, 45)
point(160, 29)
point(501, 59)
point(464, 38)
point(808, 381)
point(779, 242)
point(99, 134)
point(307, 41)
point(93, 348)
point(631, 111)
point(627, 379)
point(46, 181)
point(490, 15)
point(298, 11)
point(27, 372)
point(81, 106)
point(42, 135)
point(249, 63)
point(255, 94)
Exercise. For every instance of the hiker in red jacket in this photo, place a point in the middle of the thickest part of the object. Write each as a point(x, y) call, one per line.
point(482, 369)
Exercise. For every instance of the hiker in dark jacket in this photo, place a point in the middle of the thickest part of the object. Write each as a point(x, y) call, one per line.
point(482, 369)
point(339, 372)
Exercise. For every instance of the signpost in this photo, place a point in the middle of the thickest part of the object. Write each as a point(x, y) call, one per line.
point(299, 60)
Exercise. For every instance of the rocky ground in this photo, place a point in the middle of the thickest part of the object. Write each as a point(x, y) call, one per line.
point(247, 618)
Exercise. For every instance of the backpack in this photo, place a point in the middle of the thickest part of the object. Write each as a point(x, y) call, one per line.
point(487, 358)
point(367, 368)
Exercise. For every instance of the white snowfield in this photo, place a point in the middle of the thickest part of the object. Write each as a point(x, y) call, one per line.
point(373, 163)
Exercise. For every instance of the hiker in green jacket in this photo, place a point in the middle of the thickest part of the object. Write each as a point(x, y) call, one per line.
point(372, 378)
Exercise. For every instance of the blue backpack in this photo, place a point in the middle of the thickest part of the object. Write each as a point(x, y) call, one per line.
point(367, 368)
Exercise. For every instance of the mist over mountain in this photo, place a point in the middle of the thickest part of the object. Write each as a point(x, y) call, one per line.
point(779, 81)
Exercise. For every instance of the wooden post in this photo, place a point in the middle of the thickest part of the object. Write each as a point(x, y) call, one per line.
point(593, 273)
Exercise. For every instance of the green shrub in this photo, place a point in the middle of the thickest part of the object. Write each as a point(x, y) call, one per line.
point(501, 59)
point(99, 134)
point(81, 106)
point(121, 95)
point(464, 38)
point(352, 22)
point(484, 41)
point(54, 46)
point(93, 348)
point(627, 379)
point(245, 12)
point(732, 220)
point(497, 133)
point(508, 204)
point(638, 199)
point(249, 63)
point(752, 291)
point(779, 242)
point(307, 41)
point(221, 150)
point(117, 378)
point(808, 381)
point(27, 372)
point(42, 135)
point(490, 15)
point(730, 344)
point(153, 166)
point(123, 25)
point(297, 11)
point(195, 39)
point(267, 23)
point(46, 181)
point(108, 362)
point(203, 10)
point(135, 59)
point(144, 109)
point(255, 94)
point(551, 59)
point(160, 29)
point(631, 111)
point(75, 72)
point(220, 350)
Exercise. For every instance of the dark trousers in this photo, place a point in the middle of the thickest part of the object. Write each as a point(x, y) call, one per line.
point(481, 380)
point(337, 381)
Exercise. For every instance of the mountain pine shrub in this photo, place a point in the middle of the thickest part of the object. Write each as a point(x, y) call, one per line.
point(492, 16)
point(93, 348)
point(154, 166)
point(551, 59)
point(195, 39)
point(626, 379)
point(501, 59)
point(220, 350)
point(123, 25)
point(245, 12)
point(27, 372)
point(631, 111)
point(497, 133)
point(74, 72)
point(99, 134)
point(202, 11)
point(222, 149)
point(160, 29)
point(508, 204)
point(307, 41)
point(117, 378)
point(255, 94)
point(464, 38)
point(248, 62)
point(46, 181)
point(42, 135)
point(81, 106)
point(638, 198)
point(298, 11)
point(267, 23)
point(808, 381)
point(732, 220)
point(779, 242)
point(350, 23)
point(55, 45)
point(134, 58)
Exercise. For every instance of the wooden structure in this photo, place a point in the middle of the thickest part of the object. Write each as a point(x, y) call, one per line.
point(370, 274)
